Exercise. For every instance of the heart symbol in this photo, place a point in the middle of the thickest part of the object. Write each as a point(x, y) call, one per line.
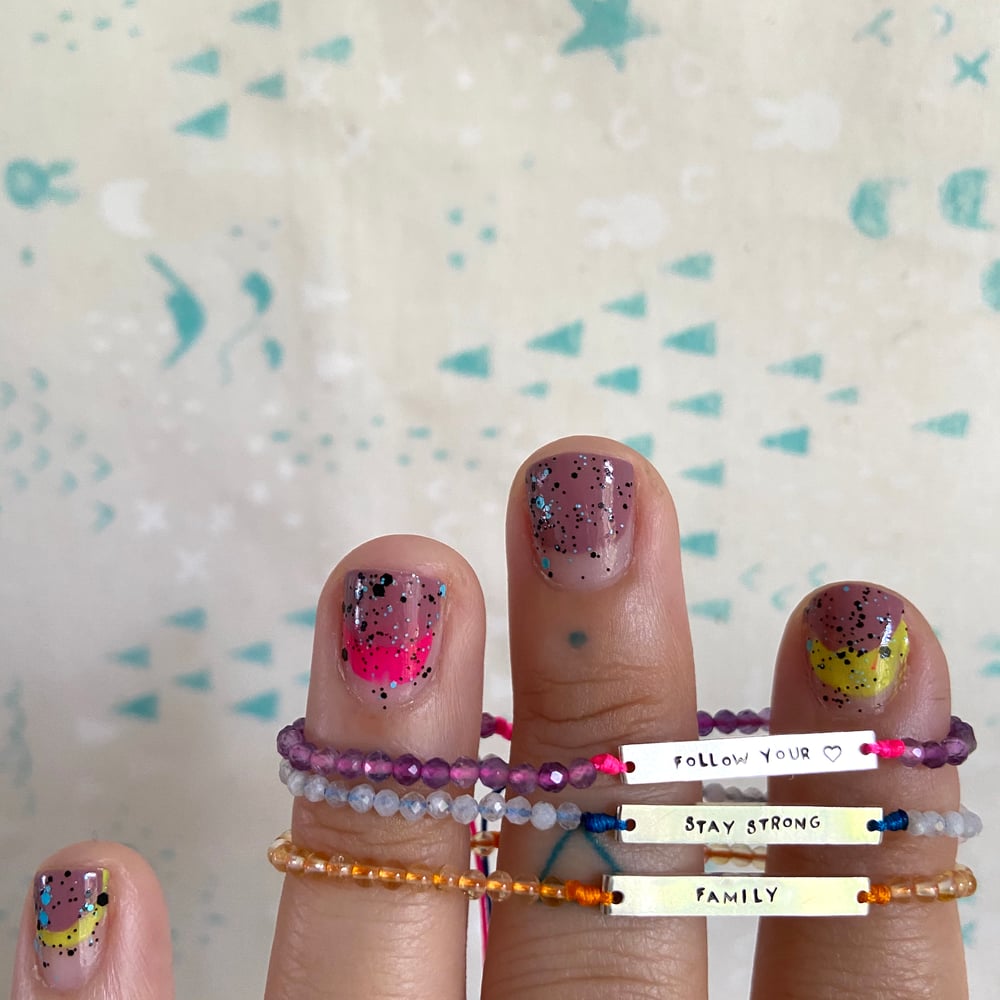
point(832, 753)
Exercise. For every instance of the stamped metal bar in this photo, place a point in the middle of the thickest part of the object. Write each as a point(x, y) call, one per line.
point(734, 896)
point(748, 824)
point(747, 757)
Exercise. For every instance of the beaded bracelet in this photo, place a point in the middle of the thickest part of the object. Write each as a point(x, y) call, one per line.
point(624, 893)
point(493, 808)
point(553, 776)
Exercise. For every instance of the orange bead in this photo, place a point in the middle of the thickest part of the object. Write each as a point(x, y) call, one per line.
point(473, 883)
point(446, 877)
point(339, 867)
point(552, 891)
point(485, 842)
point(526, 888)
point(420, 877)
point(499, 886)
point(392, 876)
point(364, 873)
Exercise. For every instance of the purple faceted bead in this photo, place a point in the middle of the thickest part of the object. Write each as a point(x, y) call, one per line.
point(493, 772)
point(436, 773)
point(351, 764)
point(963, 731)
point(913, 754)
point(300, 723)
point(553, 776)
point(725, 721)
point(705, 723)
point(378, 766)
point(487, 726)
point(301, 754)
point(465, 772)
point(747, 721)
point(324, 762)
point(582, 773)
point(406, 769)
point(523, 779)
point(765, 717)
point(287, 738)
point(935, 755)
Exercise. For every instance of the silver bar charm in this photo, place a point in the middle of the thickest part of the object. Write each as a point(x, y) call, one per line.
point(734, 896)
point(747, 757)
point(748, 824)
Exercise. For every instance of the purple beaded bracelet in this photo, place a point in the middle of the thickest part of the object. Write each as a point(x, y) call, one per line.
point(496, 774)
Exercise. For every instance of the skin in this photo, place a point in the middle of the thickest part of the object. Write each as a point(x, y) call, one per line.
point(632, 680)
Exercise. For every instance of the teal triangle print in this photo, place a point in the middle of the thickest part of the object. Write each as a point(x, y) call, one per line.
point(267, 15)
point(563, 340)
point(807, 366)
point(136, 656)
point(336, 50)
point(206, 63)
point(642, 443)
point(537, 389)
point(473, 364)
point(262, 706)
point(848, 395)
point(953, 425)
point(695, 339)
point(634, 306)
point(271, 87)
point(705, 543)
point(258, 652)
point(146, 707)
point(716, 610)
point(698, 266)
point(306, 617)
point(193, 619)
point(710, 475)
point(793, 442)
point(213, 123)
point(199, 680)
point(708, 404)
point(621, 380)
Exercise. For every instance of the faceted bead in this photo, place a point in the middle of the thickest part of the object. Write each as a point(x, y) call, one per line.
point(493, 772)
point(522, 779)
point(487, 726)
point(913, 754)
point(747, 721)
point(492, 807)
point(412, 806)
point(518, 810)
point(473, 883)
point(956, 749)
point(725, 721)
point(714, 792)
point(439, 804)
point(446, 877)
point(935, 755)
point(543, 815)
point(378, 766)
point(288, 737)
point(936, 821)
point(386, 802)
point(314, 788)
point(336, 793)
point(351, 764)
point(705, 724)
point(361, 798)
point(552, 776)
point(526, 888)
point(324, 761)
point(752, 794)
point(484, 843)
point(296, 782)
point(568, 815)
point(300, 723)
point(552, 891)
point(419, 877)
point(279, 852)
point(300, 755)
point(465, 772)
point(963, 731)
point(582, 773)
point(392, 875)
point(435, 773)
point(284, 771)
point(499, 886)
point(464, 809)
point(406, 769)
point(973, 824)
point(920, 824)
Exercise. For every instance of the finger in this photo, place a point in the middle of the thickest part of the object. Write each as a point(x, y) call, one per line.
point(397, 667)
point(856, 656)
point(94, 925)
point(601, 655)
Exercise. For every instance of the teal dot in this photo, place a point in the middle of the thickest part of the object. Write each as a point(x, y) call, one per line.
point(456, 260)
point(27, 256)
point(990, 284)
point(488, 234)
point(577, 639)
point(455, 216)
point(404, 459)
point(546, 562)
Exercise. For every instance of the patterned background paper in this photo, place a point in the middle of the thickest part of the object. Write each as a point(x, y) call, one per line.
point(279, 277)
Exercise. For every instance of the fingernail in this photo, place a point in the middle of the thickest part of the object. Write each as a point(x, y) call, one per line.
point(390, 637)
point(71, 907)
point(581, 518)
point(857, 643)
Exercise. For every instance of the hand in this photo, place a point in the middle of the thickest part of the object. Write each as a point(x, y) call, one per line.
point(600, 655)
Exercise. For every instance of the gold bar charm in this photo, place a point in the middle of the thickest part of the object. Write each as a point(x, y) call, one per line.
point(747, 757)
point(734, 896)
point(748, 824)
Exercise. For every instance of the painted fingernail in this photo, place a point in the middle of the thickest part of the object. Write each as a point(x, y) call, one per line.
point(581, 517)
point(857, 643)
point(71, 907)
point(392, 623)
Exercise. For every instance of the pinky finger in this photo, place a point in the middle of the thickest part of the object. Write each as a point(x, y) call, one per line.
point(94, 925)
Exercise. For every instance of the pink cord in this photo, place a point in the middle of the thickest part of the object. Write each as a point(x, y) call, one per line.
point(885, 748)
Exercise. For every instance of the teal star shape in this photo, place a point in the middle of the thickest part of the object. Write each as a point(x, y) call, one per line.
point(608, 25)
